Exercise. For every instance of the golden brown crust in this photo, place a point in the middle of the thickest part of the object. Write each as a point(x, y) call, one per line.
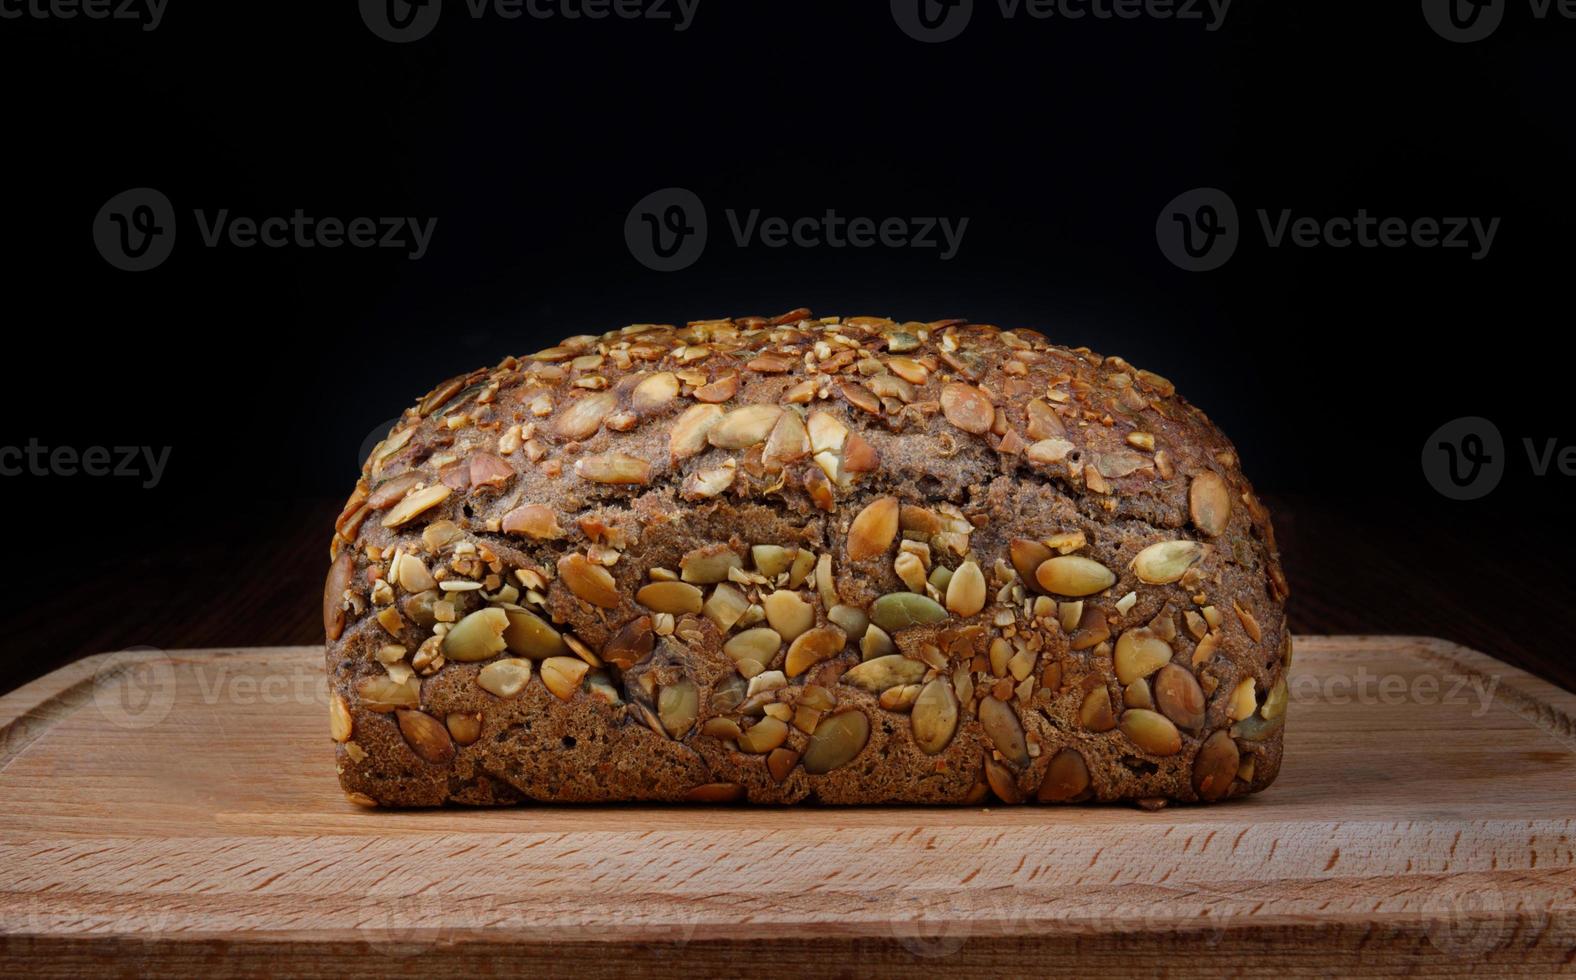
point(668, 563)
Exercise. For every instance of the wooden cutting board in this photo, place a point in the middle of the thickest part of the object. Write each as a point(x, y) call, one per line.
point(178, 813)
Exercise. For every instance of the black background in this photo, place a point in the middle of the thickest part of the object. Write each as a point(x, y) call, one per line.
point(530, 140)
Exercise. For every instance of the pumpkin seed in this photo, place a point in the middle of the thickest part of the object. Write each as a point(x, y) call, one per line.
point(709, 565)
point(426, 735)
point(836, 742)
point(384, 694)
point(504, 678)
point(1152, 732)
point(1139, 653)
point(563, 675)
point(850, 619)
point(631, 644)
point(582, 418)
point(1072, 575)
point(968, 408)
point(788, 613)
point(1243, 701)
point(534, 521)
point(1027, 556)
point(1179, 697)
point(812, 647)
point(1002, 782)
point(881, 673)
point(464, 727)
point(876, 643)
point(966, 590)
point(744, 427)
point(478, 636)
point(1209, 503)
point(688, 435)
point(654, 393)
point(670, 597)
point(678, 705)
point(934, 717)
point(1004, 730)
point(900, 610)
point(530, 636)
point(1066, 778)
point(1215, 766)
point(1095, 713)
point(873, 531)
point(588, 581)
point(759, 646)
point(1166, 561)
point(763, 736)
point(340, 724)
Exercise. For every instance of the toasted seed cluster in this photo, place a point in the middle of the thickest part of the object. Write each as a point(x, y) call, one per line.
point(794, 558)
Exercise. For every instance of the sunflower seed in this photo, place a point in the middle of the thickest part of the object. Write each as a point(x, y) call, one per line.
point(614, 469)
point(1027, 556)
point(709, 565)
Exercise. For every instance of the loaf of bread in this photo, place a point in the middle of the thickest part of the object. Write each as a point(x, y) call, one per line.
point(786, 559)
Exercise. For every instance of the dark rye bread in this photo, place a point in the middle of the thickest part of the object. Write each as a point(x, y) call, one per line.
point(583, 576)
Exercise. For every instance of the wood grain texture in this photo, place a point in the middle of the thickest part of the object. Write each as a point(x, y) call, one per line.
point(178, 814)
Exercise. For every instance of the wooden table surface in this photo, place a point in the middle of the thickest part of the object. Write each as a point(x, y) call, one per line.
point(1351, 571)
point(177, 814)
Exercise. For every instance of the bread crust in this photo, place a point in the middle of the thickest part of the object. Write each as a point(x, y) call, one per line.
point(539, 586)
